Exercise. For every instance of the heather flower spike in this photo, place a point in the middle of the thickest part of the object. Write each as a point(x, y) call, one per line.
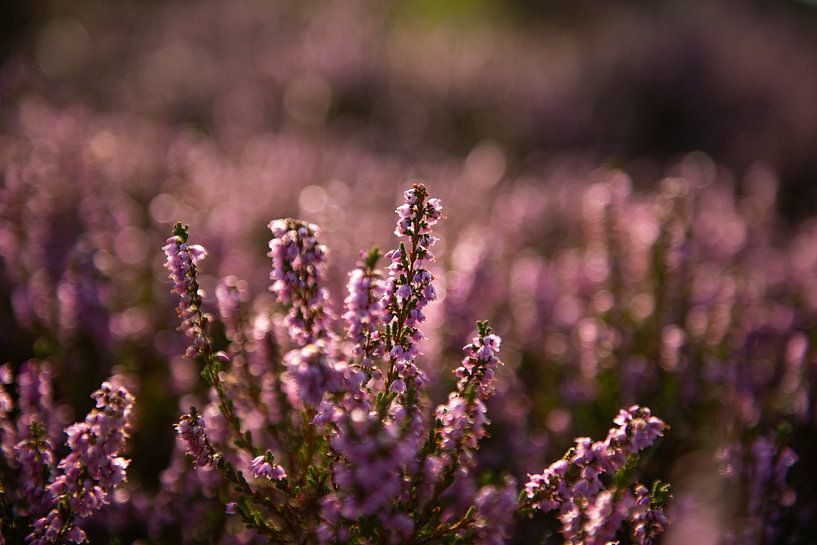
point(190, 429)
point(87, 476)
point(409, 287)
point(364, 310)
point(181, 262)
point(297, 278)
point(588, 510)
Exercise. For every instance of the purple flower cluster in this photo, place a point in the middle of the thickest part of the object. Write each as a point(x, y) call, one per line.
point(463, 419)
point(262, 466)
point(181, 261)
point(297, 278)
point(190, 429)
point(364, 309)
point(604, 515)
point(36, 458)
point(90, 472)
point(28, 442)
point(494, 511)
point(647, 519)
point(695, 296)
point(310, 373)
point(369, 476)
point(587, 510)
point(409, 287)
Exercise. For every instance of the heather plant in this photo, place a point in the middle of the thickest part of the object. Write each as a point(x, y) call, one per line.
point(693, 298)
point(45, 499)
point(337, 443)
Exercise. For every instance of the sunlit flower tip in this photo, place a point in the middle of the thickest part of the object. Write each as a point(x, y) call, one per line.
point(230, 508)
point(278, 227)
point(222, 357)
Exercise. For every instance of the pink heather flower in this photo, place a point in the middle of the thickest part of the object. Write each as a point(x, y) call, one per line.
point(479, 366)
point(637, 430)
point(364, 310)
point(310, 373)
point(604, 517)
point(372, 455)
point(261, 467)
point(408, 288)
point(494, 513)
point(190, 429)
point(92, 469)
point(398, 386)
point(36, 458)
point(231, 293)
point(404, 292)
point(573, 484)
point(76, 535)
point(181, 261)
point(461, 422)
point(647, 520)
point(297, 278)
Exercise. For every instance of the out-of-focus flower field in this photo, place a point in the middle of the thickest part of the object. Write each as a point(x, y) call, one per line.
point(629, 199)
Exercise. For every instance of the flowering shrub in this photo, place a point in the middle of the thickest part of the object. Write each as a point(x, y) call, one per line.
point(352, 455)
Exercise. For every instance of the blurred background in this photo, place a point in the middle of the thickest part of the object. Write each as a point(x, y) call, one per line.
point(629, 189)
point(632, 83)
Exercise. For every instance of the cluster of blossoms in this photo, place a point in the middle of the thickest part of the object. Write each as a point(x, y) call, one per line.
point(297, 275)
point(647, 516)
point(408, 288)
point(353, 458)
point(373, 452)
point(53, 498)
point(590, 512)
point(191, 432)
point(93, 468)
point(310, 373)
point(364, 309)
point(263, 466)
point(463, 419)
point(35, 454)
point(26, 443)
point(181, 260)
